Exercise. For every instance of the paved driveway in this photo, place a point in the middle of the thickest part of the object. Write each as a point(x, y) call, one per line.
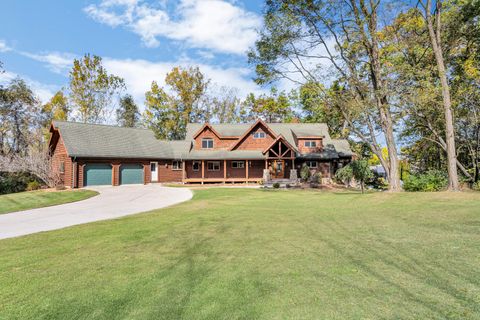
point(112, 202)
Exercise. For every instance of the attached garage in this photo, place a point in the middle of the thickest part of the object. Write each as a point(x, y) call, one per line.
point(131, 173)
point(96, 174)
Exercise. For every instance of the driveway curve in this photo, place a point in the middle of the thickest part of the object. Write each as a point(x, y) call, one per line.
point(112, 202)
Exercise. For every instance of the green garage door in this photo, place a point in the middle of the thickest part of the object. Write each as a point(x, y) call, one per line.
point(97, 174)
point(131, 173)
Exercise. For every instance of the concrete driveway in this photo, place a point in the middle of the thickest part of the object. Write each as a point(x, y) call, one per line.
point(112, 202)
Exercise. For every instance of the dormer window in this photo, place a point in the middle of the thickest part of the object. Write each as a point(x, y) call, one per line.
point(207, 143)
point(310, 144)
point(259, 135)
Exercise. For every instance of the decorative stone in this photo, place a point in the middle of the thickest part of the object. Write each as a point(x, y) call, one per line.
point(293, 175)
point(266, 175)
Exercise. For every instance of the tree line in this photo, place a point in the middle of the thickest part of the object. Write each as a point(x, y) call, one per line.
point(407, 72)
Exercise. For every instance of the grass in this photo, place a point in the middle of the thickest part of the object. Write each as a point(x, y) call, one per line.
point(37, 199)
point(254, 254)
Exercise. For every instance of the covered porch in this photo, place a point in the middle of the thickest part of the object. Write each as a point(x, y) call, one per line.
point(223, 171)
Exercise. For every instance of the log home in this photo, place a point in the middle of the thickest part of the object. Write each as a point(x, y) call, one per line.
point(90, 154)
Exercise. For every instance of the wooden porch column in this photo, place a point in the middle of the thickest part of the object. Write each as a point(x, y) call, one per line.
point(203, 170)
point(266, 164)
point(184, 172)
point(246, 169)
point(224, 171)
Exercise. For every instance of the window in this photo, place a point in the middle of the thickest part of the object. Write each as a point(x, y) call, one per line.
point(62, 167)
point(196, 166)
point(153, 166)
point(310, 144)
point(311, 164)
point(259, 135)
point(207, 143)
point(213, 166)
point(238, 164)
point(176, 165)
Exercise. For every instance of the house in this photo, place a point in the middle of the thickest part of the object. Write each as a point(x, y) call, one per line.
point(92, 154)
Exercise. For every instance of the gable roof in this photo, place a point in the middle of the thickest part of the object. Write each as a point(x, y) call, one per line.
point(102, 141)
point(247, 132)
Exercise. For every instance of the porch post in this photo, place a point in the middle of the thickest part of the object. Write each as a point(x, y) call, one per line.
point(246, 169)
point(224, 171)
point(203, 170)
point(183, 171)
point(266, 165)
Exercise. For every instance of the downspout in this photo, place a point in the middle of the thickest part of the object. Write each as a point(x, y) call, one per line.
point(74, 172)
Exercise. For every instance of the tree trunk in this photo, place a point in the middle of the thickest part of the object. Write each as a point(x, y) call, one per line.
point(447, 104)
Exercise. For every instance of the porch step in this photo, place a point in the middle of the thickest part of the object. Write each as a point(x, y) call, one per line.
point(284, 183)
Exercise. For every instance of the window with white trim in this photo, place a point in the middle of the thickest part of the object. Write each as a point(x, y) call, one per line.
point(311, 164)
point(196, 165)
point(238, 164)
point(259, 135)
point(310, 144)
point(213, 165)
point(176, 165)
point(207, 143)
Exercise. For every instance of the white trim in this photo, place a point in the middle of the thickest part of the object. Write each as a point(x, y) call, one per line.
point(207, 140)
point(193, 165)
point(309, 162)
point(154, 177)
point(241, 163)
point(179, 165)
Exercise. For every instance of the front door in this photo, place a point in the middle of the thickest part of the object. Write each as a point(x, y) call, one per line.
point(154, 170)
point(278, 169)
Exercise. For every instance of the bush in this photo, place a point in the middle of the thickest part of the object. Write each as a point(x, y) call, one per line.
point(432, 180)
point(305, 172)
point(317, 178)
point(14, 182)
point(476, 186)
point(276, 185)
point(33, 185)
point(344, 174)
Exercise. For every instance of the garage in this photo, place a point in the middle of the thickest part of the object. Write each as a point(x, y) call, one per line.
point(97, 174)
point(131, 173)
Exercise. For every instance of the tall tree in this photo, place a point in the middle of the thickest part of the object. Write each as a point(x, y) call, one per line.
point(299, 35)
point(57, 108)
point(92, 89)
point(128, 114)
point(225, 106)
point(275, 107)
point(434, 24)
point(169, 109)
point(20, 115)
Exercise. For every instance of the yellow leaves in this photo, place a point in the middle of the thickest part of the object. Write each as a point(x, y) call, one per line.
point(471, 68)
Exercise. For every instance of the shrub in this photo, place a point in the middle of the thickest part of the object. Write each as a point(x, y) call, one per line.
point(33, 185)
point(432, 180)
point(344, 175)
point(305, 172)
point(476, 186)
point(14, 182)
point(276, 185)
point(317, 177)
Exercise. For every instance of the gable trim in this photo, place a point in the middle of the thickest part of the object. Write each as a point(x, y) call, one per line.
point(249, 130)
point(282, 139)
point(209, 126)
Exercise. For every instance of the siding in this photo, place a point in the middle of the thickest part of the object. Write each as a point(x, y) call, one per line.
point(60, 155)
point(249, 143)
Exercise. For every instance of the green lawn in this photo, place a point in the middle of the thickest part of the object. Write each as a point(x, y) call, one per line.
point(254, 254)
point(37, 199)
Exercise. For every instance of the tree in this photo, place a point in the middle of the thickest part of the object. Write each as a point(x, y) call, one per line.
point(20, 115)
point(127, 113)
point(436, 42)
point(296, 41)
point(275, 107)
point(57, 108)
point(92, 89)
point(182, 101)
point(225, 106)
point(361, 172)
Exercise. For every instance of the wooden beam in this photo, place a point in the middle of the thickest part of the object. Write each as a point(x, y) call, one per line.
point(246, 169)
point(266, 164)
point(224, 170)
point(184, 172)
point(203, 170)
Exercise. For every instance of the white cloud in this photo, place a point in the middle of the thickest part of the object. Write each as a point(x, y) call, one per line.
point(217, 25)
point(3, 46)
point(55, 61)
point(43, 91)
point(139, 74)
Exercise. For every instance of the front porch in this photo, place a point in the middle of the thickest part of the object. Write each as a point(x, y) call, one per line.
point(223, 171)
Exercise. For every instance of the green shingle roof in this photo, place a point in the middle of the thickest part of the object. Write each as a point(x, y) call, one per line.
point(103, 141)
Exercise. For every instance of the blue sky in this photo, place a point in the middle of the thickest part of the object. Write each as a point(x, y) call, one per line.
point(138, 40)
